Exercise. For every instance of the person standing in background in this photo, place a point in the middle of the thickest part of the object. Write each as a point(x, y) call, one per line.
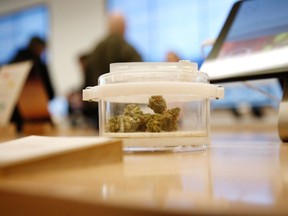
point(112, 49)
point(33, 52)
point(172, 57)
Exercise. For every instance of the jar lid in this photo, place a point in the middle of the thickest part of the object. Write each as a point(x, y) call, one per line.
point(200, 90)
point(133, 79)
point(182, 71)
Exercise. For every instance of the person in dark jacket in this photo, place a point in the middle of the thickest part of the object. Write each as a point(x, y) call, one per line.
point(112, 49)
point(39, 70)
point(33, 53)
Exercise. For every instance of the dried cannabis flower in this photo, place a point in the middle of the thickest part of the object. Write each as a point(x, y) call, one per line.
point(112, 125)
point(155, 123)
point(157, 104)
point(144, 119)
point(134, 120)
point(127, 123)
point(132, 110)
point(168, 122)
point(175, 112)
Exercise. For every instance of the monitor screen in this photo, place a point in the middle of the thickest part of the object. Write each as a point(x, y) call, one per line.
point(253, 42)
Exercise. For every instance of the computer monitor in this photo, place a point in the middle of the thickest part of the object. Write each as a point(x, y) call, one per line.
point(253, 44)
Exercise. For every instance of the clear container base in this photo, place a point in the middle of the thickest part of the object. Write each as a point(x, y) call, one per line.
point(191, 148)
point(169, 141)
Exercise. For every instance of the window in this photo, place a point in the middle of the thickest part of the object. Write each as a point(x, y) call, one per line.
point(155, 27)
point(158, 26)
point(16, 29)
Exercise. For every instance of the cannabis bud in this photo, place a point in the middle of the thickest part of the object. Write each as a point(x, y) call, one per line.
point(134, 120)
point(123, 123)
point(157, 104)
point(128, 123)
point(155, 123)
point(144, 119)
point(112, 125)
point(132, 110)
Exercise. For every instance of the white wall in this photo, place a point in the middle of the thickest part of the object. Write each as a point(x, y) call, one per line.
point(75, 27)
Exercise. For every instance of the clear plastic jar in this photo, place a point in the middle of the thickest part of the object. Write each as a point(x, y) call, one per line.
point(155, 106)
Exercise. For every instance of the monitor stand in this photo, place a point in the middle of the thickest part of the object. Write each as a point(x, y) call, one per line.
point(283, 114)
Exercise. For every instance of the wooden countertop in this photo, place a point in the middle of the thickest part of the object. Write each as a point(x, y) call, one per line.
point(242, 173)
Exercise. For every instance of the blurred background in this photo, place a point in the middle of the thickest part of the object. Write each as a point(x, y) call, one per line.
point(154, 27)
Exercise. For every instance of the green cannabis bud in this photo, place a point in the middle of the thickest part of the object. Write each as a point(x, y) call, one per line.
point(132, 110)
point(112, 125)
point(168, 122)
point(155, 123)
point(157, 104)
point(175, 112)
point(128, 123)
point(133, 119)
point(144, 119)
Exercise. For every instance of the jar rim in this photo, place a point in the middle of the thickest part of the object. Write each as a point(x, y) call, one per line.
point(182, 71)
point(182, 66)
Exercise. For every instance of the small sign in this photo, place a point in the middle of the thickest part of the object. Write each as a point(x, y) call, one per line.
point(12, 80)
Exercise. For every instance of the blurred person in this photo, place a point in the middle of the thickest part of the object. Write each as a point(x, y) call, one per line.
point(172, 57)
point(112, 49)
point(75, 96)
point(33, 52)
point(75, 103)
